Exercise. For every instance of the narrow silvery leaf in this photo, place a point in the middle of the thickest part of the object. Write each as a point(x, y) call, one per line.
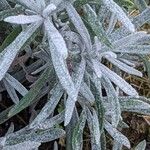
point(141, 4)
point(78, 23)
point(124, 67)
point(130, 39)
point(49, 123)
point(56, 39)
point(96, 127)
point(48, 10)
point(113, 100)
point(27, 145)
point(93, 124)
point(121, 83)
point(86, 93)
point(70, 103)
point(120, 14)
point(41, 4)
point(142, 18)
point(11, 91)
point(135, 105)
point(41, 136)
point(77, 138)
point(119, 137)
point(60, 66)
point(112, 23)
point(4, 5)
point(96, 25)
point(23, 19)
point(141, 145)
point(49, 106)
point(16, 84)
point(134, 49)
point(96, 68)
point(32, 94)
point(9, 53)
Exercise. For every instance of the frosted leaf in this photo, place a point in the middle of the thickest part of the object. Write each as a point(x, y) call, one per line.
point(96, 25)
point(9, 53)
point(108, 54)
point(141, 5)
point(96, 68)
point(16, 84)
point(141, 145)
point(4, 5)
point(77, 137)
point(2, 141)
point(49, 106)
point(48, 10)
point(130, 39)
point(142, 18)
point(49, 123)
point(93, 125)
point(41, 4)
point(112, 23)
point(113, 100)
point(119, 137)
point(11, 91)
point(70, 103)
point(133, 49)
point(10, 129)
point(114, 8)
point(41, 136)
point(121, 83)
point(56, 38)
point(124, 67)
point(28, 145)
point(32, 94)
point(86, 92)
point(135, 105)
point(78, 23)
point(23, 19)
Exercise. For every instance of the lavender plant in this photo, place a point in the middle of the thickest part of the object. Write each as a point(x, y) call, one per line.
point(72, 41)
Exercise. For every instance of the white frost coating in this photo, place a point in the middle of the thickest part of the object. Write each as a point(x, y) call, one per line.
point(124, 67)
point(108, 54)
point(96, 68)
point(114, 8)
point(28, 145)
point(118, 136)
point(70, 103)
point(121, 83)
point(48, 10)
point(130, 39)
point(56, 38)
point(23, 19)
point(9, 53)
point(16, 84)
point(96, 127)
point(78, 23)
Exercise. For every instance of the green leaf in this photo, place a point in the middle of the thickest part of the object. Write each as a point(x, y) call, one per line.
point(77, 139)
point(96, 25)
point(10, 38)
point(9, 53)
point(31, 95)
